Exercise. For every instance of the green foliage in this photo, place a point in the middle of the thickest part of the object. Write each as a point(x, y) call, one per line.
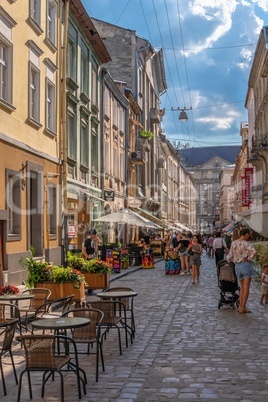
point(75, 260)
point(61, 274)
point(146, 134)
point(88, 266)
point(96, 267)
point(261, 257)
point(38, 271)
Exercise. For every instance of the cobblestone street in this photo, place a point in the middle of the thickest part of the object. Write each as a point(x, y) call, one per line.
point(185, 348)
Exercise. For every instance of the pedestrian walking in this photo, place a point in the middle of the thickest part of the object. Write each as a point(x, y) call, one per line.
point(195, 251)
point(242, 254)
point(264, 284)
point(219, 246)
point(91, 245)
point(180, 244)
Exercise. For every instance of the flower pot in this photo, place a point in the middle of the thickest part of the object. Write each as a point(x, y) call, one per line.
point(97, 281)
point(63, 289)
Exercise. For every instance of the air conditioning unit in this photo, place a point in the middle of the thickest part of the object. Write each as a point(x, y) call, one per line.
point(136, 157)
point(154, 116)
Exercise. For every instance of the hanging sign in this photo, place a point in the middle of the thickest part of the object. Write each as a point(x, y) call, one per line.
point(109, 195)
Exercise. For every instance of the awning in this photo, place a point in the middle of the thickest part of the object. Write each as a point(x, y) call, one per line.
point(257, 219)
point(182, 227)
point(149, 216)
point(231, 226)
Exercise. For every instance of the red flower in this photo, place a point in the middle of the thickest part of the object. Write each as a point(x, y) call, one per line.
point(9, 290)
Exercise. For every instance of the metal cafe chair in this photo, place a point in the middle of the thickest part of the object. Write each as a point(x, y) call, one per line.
point(89, 334)
point(6, 347)
point(128, 302)
point(54, 308)
point(111, 318)
point(41, 295)
point(41, 355)
point(9, 311)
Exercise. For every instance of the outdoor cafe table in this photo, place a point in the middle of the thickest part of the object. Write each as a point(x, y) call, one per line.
point(119, 295)
point(60, 323)
point(14, 299)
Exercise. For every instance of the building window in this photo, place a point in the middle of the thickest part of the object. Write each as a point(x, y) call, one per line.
point(84, 73)
point(94, 84)
point(5, 72)
point(71, 58)
point(94, 149)
point(34, 93)
point(6, 58)
point(13, 198)
point(71, 133)
point(35, 11)
point(50, 106)
point(84, 145)
point(52, 210)
point(52, 21)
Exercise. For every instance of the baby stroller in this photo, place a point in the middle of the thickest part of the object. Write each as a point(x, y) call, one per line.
point(227, 282)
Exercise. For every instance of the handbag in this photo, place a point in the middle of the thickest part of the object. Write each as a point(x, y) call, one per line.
point(190, 252)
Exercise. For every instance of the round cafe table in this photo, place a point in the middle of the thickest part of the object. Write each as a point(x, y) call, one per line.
point(60, 323)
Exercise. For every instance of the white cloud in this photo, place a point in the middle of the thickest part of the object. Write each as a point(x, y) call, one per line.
point(263, 4)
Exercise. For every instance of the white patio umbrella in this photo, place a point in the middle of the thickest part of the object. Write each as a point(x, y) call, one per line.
point(126, 216)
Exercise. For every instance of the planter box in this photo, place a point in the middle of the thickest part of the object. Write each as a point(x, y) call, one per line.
point(97, 281)
point(63, 289)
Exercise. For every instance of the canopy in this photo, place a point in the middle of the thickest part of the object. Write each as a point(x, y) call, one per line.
point(231, 226)
point(182, 227)
point(257, 219)
point(126, 216)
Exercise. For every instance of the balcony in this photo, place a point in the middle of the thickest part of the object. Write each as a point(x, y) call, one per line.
point(259, 143)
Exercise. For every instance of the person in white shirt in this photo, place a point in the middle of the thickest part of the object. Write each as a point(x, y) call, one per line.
point(219, 246)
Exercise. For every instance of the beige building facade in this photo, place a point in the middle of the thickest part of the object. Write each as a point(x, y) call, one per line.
point(30, 202)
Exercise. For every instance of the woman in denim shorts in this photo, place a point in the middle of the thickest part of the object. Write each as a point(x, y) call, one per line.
point(242, 253)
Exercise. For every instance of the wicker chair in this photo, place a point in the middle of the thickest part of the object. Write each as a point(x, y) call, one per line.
point(41, 295)
point(41, 354)
point(6, 347)
point(9, 311)
point(128, 302)
point(111, 318)
point(54, 308)
point(90, 334)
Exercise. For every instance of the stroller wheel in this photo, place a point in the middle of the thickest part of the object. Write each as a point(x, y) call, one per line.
point(219, 305)
point(237, 303)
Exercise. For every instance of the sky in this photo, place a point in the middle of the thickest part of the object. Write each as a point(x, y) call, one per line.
point(208, 50)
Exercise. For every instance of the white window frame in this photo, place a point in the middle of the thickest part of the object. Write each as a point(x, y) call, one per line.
point(51, 30)
point(52, 211)
point(35, 11)
point(6, 59)
point(34, 93)
point(71, 133)
point(71, 58)
point(6, 67)
point(84, 72)
point(13, 200)
point(50, 106)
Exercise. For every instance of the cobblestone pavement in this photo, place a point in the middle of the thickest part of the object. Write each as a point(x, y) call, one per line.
point(185, 347)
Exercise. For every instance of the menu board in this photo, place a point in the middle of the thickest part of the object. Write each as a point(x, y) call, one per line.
point(114, 258)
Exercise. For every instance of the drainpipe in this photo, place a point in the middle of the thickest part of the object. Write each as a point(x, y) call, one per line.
point(64, 129)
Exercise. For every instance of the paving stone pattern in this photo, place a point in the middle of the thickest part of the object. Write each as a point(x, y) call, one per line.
point(185, 348)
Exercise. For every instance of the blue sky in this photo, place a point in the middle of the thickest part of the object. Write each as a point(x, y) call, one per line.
point(208, 51)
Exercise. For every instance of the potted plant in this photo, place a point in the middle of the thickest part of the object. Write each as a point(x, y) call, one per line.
point(97, 273)
point(62, 281)
point(9, 290)
point(146, 134)
point(38, 271)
